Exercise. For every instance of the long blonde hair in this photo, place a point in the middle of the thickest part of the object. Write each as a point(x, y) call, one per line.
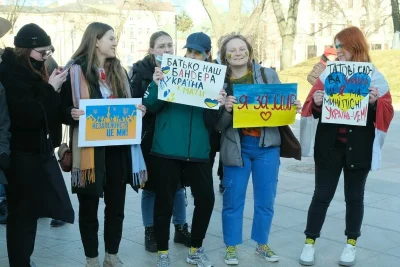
point(116, 75)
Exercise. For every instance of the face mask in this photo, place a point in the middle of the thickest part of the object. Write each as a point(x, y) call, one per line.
point(37, 65)
point(158, 58)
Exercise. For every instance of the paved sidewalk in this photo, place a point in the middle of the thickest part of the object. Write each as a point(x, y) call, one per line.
point(379, 245)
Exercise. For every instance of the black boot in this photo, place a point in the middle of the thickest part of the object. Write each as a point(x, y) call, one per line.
point(182, 234)
point(150, 242)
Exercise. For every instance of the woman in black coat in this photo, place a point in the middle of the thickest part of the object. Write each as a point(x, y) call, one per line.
point(32, 99)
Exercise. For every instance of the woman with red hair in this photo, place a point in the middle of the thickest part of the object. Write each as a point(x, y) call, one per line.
point(355, 150)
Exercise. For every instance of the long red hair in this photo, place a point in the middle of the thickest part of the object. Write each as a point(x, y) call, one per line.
point(353, 41)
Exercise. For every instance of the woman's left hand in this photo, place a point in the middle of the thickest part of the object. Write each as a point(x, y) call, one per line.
point(373, 95)
point(222, 97)
point(298, 105)
point(142, 108)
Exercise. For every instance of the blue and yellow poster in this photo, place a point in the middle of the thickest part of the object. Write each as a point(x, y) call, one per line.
point(346, 98)
point(109, 122)
point(264, 105)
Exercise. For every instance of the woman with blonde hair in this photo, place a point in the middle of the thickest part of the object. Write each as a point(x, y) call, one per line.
point(98, 171)
point(347, 148)
point(246, 151)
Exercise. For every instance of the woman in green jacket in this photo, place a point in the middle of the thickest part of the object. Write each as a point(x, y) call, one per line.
point(181, 146)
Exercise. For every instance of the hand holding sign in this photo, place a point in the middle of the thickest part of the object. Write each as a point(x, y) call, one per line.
point(318, 97)
point(263, 105)
point(373, 95)
point(190, 82)
point(347, 91)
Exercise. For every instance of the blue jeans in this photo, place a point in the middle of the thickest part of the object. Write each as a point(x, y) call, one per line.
point(179, 210)
point(2, 193)
point(263, 163)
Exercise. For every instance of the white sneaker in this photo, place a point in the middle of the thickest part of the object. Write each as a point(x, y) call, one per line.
point(307, 256)
point(112, 260)
point(92, 262)
point(348, 256)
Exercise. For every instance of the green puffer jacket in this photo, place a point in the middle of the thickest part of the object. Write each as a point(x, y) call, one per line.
point(181, 132)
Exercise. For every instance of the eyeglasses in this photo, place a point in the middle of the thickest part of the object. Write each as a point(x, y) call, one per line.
point(193, 51)
point(45, 53)
point(339, 46)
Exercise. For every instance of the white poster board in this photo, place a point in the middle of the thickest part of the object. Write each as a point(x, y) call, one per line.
point(191, 82)
point(110, 122)
point(346, 97)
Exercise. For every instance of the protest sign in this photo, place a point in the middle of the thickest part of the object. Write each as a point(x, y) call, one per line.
point(110, 122)
point(191, 82)
point(264, 105)
point(346, 97)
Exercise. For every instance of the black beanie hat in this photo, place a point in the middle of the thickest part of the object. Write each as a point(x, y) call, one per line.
point(31, 36)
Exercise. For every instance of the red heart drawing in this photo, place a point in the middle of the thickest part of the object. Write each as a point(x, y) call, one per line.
point(266, 115)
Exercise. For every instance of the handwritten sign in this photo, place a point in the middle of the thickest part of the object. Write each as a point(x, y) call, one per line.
point(346, 92)
point(110, 122)
point(191, 82)
point(264, 105)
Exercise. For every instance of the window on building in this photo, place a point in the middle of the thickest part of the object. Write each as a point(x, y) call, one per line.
point(132, 48)
point(140, 31)
point(131, 18)
point(313, 3)
point(363, 24)
point(312, 28)
point(311, 51)
point(320, 29)
point(329, 28)
point(376, 47)
point(131, 32)
point(377, 25)
point(350, 3)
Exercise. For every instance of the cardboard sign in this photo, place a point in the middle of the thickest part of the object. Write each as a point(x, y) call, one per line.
point(191, 82)
point(346, 98)
point(264, 105)
point(110, 122)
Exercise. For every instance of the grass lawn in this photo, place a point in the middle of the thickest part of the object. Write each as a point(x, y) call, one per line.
point(387, 62)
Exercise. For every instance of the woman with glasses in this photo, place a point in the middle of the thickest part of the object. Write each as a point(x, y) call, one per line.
point(181, 148)
point(32, 98)
point(351, 149)
point(140, 78)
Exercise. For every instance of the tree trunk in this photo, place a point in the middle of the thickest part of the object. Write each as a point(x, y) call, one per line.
point(396, 15)
point(287, 51)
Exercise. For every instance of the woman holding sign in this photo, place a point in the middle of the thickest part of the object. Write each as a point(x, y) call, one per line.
point(141, 77)
point(98, 171)
point(249, 150)
point(181, 147)
point(343, 146)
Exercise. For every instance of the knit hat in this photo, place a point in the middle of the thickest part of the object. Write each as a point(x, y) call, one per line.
point(31, 36)
point(330, 51)
point(5, 26)
point(198, 41)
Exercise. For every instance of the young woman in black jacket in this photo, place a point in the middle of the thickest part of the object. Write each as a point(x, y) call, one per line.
point(32, 98)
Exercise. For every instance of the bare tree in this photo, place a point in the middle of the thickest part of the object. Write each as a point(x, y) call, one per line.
point(287, 29)
point(395, 15)
point(14, 10)
point(234, 20)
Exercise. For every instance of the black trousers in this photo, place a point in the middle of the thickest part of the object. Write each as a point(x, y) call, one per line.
point(21, 229)
point(25, 180)
point(168, 174)
point(326, 181)
point(114, 199)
